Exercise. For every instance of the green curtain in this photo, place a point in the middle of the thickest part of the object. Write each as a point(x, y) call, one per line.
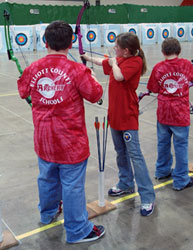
point(118, 14)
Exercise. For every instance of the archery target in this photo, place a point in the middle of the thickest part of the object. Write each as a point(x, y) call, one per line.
point(180, 31)
point(91, 35)
point(2, 41)
point(190, 31)
point(111, 36)
point(22, 38)
point(164, 31)
point(74, 36)
point(110, 32)
point(44, 39)
point(134, 28)
point(40, 38)
point(149, 33)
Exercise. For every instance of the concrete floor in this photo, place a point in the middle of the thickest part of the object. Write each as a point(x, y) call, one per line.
point(169, 228)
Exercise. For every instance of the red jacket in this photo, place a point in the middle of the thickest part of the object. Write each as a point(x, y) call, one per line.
point(57, 87)
point(170, 79)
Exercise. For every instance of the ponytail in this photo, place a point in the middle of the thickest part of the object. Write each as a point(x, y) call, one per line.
point(142, 55)
point(131, 41)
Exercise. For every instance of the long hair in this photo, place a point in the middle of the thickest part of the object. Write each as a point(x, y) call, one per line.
point(131, 41)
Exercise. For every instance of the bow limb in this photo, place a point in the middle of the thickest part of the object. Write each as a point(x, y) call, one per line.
point(78, 30)
point(191, 106)
point(10, 52)
point(79, 34)
point(140, 97)
point(142, 94)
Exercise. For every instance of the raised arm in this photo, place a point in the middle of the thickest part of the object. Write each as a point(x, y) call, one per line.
point(96, 60)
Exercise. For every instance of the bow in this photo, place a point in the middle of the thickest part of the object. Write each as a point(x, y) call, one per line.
point(10, 52)
point(141, 96)
point(79, 34)
point(78, 31)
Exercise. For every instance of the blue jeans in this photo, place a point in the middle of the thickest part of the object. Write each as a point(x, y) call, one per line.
point(128, 150)
point(65, 181)
point(165, 158)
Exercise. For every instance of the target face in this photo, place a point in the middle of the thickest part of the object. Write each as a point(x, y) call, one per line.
point(44, 39)
point(111, 37)
point(180, 32)
point(150, 33)
point(91, 36)
point(21, 39)
point(132, 30)
point(74, 38)
point(165, 33)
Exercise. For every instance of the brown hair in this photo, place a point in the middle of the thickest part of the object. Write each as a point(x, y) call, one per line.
point(131, 41)
point(171, 46)
point(58, 35)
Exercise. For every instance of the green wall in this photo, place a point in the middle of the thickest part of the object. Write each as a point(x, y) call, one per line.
point(124, 13)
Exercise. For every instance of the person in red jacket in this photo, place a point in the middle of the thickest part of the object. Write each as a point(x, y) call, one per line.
point(123, 112)
point(170, 79)
point(57, 87)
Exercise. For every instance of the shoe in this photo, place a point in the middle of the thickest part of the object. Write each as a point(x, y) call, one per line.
point(147, 209)
point(54, 218)
point(163, 177)
point(190, 184)
point(115, 191)
point(60, 207)
point(96, 233)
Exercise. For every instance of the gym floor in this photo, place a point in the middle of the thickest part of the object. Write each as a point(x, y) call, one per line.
point(170, 227)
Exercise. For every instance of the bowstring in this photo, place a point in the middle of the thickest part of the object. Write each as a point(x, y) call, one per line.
point(12, 37)
point(141, 110)
point(107, 77)
point(88, 28)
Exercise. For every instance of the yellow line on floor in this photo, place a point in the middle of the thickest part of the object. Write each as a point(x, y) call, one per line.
point(11, 94)
point(38, 230)
point(163, 184)
point(57, 223)
point(136, 194)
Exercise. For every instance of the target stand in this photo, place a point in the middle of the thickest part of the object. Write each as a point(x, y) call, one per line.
point(8, 240)
point(95, 210)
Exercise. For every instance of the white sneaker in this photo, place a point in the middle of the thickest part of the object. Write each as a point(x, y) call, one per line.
point(115, 191)
point(147, 209)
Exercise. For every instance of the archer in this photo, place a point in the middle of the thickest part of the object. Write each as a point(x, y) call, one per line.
point(60, 136)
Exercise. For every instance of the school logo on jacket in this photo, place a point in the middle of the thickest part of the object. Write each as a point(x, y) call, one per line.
point(127, 136)
point(47, 87)
point(171, 86)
